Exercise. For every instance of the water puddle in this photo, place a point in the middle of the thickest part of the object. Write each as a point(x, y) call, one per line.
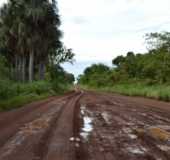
point(136, 150)
point(87, 124)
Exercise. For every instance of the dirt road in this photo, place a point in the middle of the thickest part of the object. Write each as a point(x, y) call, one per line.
point(87, 126)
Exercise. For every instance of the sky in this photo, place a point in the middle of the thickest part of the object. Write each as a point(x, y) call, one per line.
point(100, 30)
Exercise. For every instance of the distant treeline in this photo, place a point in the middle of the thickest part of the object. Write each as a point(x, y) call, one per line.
point(149, 68)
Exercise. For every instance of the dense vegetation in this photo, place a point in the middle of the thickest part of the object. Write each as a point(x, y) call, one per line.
point(136, 74)
point(31, 52)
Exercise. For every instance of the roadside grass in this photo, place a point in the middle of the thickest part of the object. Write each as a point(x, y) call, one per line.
point(14, 95)
point(160, 92)
point(19, 101)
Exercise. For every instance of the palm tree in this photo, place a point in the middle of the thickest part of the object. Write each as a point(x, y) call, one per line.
point(45, 33)
point(30, 34)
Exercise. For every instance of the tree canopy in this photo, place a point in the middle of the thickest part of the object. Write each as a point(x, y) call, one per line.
point(30, 37)
point(151, 67)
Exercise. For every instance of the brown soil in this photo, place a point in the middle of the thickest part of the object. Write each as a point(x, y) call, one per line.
point(87, 126)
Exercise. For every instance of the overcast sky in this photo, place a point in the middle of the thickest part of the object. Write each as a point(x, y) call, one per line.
point(99, 30)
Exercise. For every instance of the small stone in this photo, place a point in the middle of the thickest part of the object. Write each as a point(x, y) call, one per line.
point(72, 139)
point(77, 145)
point(78, 139)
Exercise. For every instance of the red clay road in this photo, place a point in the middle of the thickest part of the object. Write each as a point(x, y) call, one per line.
point(87, 126)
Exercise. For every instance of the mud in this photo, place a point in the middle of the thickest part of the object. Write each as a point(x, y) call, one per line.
point(87, 126)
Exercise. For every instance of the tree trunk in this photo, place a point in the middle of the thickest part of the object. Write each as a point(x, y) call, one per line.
point(31, 66)
point(15, 68)
point(20, 69)
point(41, 70)
point(23, 68)
point(12, 74)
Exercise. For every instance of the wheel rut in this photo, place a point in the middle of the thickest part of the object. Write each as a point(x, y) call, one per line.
point(87, 126)
point(30, 141)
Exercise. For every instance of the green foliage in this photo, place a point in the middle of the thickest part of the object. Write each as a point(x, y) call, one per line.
point(153, 66)
point(14, 95)
point(63, 55)
point(159, 92)
point(29, 43)
point(20, 100)
point(145, 75)
point(58, 74)
point(96, 75)
point(30, 38)
point(4, 71)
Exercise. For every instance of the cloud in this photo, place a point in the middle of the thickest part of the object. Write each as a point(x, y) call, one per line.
point(3, 1)
point(80, 20)
point(102, 29)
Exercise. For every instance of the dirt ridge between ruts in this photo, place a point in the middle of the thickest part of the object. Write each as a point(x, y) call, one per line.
point(60, 147)
point(42, 148)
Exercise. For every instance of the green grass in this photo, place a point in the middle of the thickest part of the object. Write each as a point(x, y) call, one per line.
point(160, 92)
point(14, 95)
point(21, 100)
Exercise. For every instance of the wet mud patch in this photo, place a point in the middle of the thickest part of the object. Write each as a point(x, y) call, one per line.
point(118, 131)
point(87, 120)
point(82, 130)
point(29, 135)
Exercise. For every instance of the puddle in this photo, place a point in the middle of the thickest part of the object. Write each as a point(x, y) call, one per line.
point(136, 150)
point(82, 109)
point(87, 124)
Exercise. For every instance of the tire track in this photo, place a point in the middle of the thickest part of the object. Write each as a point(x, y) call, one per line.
point(60, 147)
point(28, 142)
point(116, 121)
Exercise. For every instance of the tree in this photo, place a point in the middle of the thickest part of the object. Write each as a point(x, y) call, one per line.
point(58, 74)
point(156, 41)
point(30, 35)
point(118, 60)
point(63, 55)
point(96, 75)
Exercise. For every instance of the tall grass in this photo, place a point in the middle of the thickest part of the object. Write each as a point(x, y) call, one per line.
point(160, 92)
point(13, 95)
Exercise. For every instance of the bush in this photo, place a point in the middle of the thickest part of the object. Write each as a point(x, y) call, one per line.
point(7, 90)
point(20, 100)
point(13, 95)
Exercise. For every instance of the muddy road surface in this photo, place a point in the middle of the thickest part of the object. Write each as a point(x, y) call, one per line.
point(87, 126)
